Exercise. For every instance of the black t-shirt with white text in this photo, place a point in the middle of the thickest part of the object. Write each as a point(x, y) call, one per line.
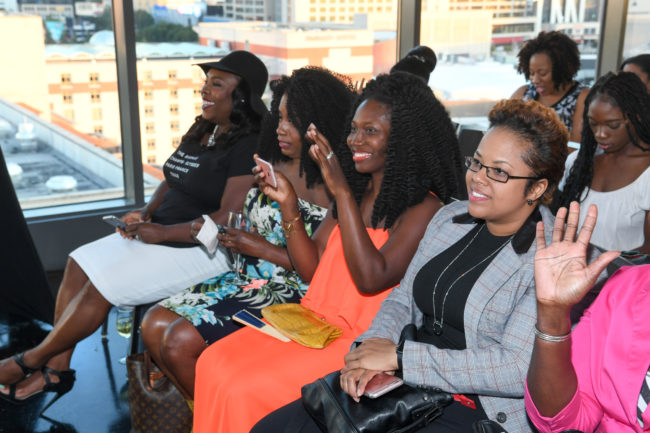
point(197, 177)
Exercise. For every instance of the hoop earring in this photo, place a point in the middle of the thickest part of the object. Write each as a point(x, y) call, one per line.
point(530, 202)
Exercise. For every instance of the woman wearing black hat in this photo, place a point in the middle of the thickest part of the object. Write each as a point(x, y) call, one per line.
point(209, 173)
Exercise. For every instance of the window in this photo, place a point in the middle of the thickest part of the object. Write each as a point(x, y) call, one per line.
point(197, 93)
point(148, 94)
point(198, 109)
point(176, 141)
point(173, 93)
point(65, 78)
point(148, 110)
point(149, 128)
point(148, 75)
point(173, 109)
point(151, 159)
point(93, 77)
point(67, 97)
point(171, 75)
point(468, 39)
point(97, 114)
point(151, 144)
point(174, 125)
point(98, 130)
point(95, 96)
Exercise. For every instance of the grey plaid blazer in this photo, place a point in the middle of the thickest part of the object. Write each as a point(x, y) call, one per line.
point(500, 314)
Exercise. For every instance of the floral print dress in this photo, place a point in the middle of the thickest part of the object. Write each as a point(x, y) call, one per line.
point(210, 304)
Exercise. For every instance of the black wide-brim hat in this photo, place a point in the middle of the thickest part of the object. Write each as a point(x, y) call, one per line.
point(249, 67)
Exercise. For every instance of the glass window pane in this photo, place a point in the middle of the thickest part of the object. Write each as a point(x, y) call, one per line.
point(59, 115)
point(327, 33)
point(477, 42)
point(168, 84)
point(637, 36)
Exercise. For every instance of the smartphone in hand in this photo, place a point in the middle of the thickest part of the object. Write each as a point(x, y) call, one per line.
point(267, 169)
point(114, 221)
point(380, 384)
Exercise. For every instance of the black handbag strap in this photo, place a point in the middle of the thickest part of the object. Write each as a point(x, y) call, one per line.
point(421, 419)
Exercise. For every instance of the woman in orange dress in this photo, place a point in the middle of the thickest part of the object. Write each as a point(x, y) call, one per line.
point(400, 147)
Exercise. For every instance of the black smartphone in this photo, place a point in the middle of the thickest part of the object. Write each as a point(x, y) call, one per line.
point(114, 221)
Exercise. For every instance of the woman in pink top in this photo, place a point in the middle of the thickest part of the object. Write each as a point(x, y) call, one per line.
point(590, 378)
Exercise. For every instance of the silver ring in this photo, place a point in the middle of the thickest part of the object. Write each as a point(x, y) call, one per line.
point(330, 155)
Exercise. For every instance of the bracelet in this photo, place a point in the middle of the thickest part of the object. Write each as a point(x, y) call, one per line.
point(551, 338)
point(289, 226)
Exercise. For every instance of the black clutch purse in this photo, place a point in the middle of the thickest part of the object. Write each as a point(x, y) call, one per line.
point(402, 410)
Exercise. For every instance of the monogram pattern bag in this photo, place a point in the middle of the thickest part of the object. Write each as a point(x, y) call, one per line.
point(156, 405)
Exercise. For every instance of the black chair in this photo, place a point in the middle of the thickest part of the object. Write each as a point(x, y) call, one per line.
point(468, 140)
point(25, 290)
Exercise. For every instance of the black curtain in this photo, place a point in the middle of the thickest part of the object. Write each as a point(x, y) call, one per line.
point(24, 289)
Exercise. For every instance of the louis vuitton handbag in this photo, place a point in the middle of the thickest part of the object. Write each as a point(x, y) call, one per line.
point(156, 405)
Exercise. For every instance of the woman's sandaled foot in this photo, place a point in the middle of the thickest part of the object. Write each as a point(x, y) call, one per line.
point(36, 384)
point(15, 369)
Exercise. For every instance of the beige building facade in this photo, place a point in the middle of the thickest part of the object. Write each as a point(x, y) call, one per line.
point(84, 91)
point(285, 48)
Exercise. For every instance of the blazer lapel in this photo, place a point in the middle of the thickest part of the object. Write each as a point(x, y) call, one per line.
point(502, 268)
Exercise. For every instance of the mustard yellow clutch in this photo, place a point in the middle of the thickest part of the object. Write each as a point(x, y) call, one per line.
point(301, 325)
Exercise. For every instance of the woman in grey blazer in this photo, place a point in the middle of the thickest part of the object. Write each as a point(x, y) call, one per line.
point(469, 289)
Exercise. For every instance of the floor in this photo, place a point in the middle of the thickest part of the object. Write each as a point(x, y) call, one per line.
point(97, 403)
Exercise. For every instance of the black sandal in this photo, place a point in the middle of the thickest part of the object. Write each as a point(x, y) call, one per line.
point(19, 360)
point(65, 383)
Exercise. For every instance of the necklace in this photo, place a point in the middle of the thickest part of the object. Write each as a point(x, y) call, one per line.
point(438, 323)
point(210, 144)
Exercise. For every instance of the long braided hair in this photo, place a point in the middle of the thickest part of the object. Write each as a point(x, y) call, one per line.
point(422, 152)
point(627, 92)
point(314, 95)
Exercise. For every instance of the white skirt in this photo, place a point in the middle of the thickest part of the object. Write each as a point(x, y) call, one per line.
point(130, 272)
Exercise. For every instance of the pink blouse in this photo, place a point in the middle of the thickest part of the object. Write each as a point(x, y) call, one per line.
point(611, 356)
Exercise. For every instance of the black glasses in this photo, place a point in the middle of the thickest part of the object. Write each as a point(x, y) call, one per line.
point(493, 173)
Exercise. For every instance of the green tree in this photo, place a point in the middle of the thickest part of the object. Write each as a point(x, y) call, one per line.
point(143, 19)
point(104, 21)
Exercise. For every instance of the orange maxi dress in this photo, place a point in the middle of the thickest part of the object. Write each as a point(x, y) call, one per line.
point(247, 375)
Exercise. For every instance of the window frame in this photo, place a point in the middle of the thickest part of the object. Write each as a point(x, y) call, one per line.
point(58, 230)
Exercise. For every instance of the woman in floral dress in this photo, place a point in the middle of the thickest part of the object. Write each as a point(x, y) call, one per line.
point(178, 329)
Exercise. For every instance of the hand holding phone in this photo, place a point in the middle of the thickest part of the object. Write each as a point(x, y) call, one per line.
point(267, 169)
point(380, 384)
point(114, 221)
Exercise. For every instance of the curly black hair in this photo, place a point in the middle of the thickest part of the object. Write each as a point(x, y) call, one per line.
point(243, 121)
point(422, 152)
point(539, 126)
point(420, 60)
point(563, 51)
point(626, 91)
point(314, 95)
